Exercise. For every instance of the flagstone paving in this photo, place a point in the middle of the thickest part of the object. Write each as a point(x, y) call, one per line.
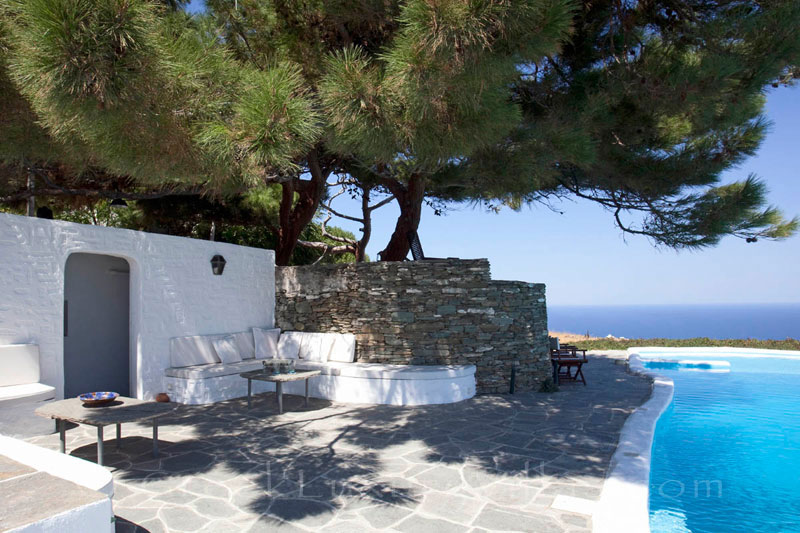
point(495, 462)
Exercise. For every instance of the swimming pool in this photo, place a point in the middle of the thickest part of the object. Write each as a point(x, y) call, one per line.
point(726, 452)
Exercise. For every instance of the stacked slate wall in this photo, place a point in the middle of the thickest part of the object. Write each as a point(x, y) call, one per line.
point(444, 311)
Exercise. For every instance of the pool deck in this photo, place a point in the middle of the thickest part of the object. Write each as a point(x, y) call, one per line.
point(495, 462)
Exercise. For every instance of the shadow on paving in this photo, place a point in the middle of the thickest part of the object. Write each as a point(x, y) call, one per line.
point(311, 462)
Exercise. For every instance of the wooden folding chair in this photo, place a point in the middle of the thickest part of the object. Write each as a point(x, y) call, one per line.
point(567, 364)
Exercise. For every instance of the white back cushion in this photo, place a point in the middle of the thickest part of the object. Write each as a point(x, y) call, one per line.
point(266, 342)
point(315, 347)
point(246, 344)
point(344, 348)
point(226, 349)
point(194, 350)
point(289, 345)
point(19, 364)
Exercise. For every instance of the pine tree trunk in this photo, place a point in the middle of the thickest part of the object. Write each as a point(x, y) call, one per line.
point(295, 216)
point(366, 214)
point(31, 211)
point(409, 198)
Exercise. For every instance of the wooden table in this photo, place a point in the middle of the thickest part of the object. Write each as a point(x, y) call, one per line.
point(279, 380)
point(120, 411)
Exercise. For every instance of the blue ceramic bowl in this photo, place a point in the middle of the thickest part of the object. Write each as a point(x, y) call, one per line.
point(98, 398)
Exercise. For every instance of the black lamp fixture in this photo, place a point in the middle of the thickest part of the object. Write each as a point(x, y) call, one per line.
point(118, 203)
point(217, 264)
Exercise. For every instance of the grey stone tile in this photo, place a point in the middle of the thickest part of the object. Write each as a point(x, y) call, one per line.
point(181, 519)
point(267, 524)
point(194, 461)
point(176, 496)
point(309, 513)
point(202, 486)
point(152, 526)
point(382, 516)
point(495, 519)
point(421, 524)
point(509, 495)
point(216, 508)
point(440, 478)
point(459, 509)
point(137, 515)
point(574, 520)
point(579, 491)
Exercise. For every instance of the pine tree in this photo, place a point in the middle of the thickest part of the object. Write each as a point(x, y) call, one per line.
point(646, 105)
point(639, 106)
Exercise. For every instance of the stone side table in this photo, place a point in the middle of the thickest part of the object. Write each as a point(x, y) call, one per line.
point(120, 411)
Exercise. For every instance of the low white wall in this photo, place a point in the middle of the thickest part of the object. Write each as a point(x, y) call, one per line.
point(94, 516)
point(173, 291)
point(90, 517)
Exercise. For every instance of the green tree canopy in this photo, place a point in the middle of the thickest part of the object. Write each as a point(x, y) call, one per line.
point(646, 105)
point(639, 106)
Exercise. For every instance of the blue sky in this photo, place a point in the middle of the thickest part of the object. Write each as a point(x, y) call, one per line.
point(585, 260)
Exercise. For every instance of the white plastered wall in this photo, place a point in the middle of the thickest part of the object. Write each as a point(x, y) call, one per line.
point(173, 291)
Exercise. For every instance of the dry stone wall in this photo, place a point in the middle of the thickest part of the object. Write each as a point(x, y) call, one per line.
point(444, 311)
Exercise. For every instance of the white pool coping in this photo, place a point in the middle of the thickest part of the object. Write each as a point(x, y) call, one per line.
point(645, 351)
point(624, 500)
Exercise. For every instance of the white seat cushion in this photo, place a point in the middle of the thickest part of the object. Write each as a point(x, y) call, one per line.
point(266, 342)
point(289, 345)
point(19, 364)
point(315, 347)
point(227, 350)
point(28, 391)
point(194, 350)
point(344, 348)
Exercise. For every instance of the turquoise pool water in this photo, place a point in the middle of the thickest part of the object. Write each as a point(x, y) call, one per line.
point(726, 453)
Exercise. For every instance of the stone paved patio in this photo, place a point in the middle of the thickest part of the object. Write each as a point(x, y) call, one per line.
point(492, 463)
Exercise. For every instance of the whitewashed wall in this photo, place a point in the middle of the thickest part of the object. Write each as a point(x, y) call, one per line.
point(173, 291)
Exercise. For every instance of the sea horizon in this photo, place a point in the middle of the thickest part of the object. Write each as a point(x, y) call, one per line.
point(675, 321)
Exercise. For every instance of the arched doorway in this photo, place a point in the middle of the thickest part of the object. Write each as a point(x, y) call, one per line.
point(96, 324)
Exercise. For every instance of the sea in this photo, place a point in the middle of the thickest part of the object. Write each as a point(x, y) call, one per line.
point(719, 321)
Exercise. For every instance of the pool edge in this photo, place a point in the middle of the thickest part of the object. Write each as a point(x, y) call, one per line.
point(624, 500)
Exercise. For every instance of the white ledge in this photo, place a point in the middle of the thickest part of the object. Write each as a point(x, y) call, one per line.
point(624, 500)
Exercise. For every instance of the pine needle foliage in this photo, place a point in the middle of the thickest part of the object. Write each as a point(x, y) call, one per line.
point(148, 92)
point(439, 89)
point(642, 110)
point(640, 106)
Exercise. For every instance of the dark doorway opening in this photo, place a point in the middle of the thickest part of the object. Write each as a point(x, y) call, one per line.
point(96, 324)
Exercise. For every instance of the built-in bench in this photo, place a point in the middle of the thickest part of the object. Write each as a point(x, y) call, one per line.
point(19, 375)
point(341, 379)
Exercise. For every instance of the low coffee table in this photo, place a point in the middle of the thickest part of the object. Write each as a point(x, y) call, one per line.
point(120, 411)
point(279, 380)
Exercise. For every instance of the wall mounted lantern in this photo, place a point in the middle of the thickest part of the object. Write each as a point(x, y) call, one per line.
point(218, 265)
